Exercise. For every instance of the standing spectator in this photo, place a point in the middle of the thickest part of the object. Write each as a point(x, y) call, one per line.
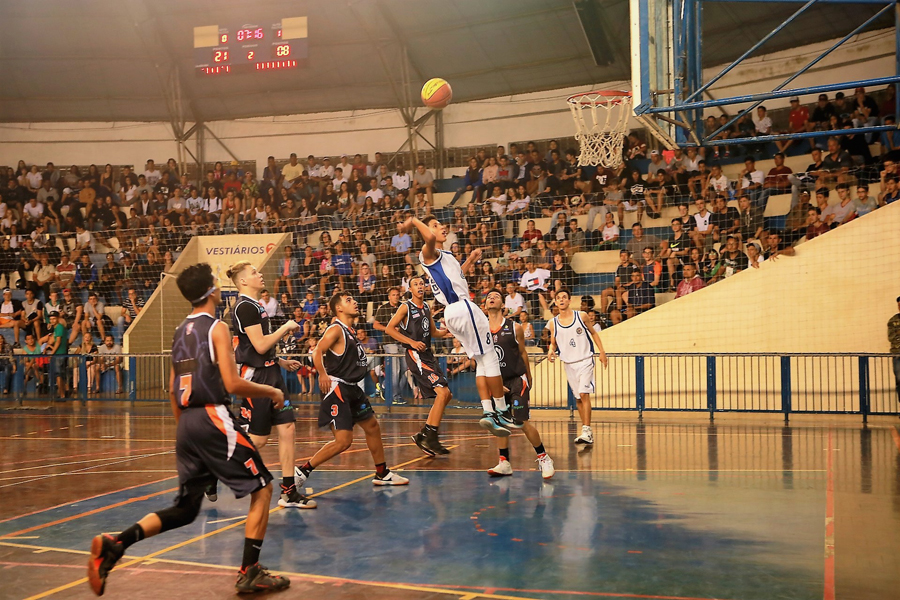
point(56, 342)
point(7, 363)
point(383, 316)
point(423, 181)
point(691, 282)
point(894, 340)
point(289, 269)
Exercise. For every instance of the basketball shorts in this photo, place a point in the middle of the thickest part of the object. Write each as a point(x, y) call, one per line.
point(517, 397)
point(425, 371)
point(209, 446)
point(581, 376)
point(344, 406)
point(260, 413)
point(470, 326)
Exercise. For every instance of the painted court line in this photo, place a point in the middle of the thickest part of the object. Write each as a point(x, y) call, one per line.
point(187, 542)
point(829, 525)
point(115, 462)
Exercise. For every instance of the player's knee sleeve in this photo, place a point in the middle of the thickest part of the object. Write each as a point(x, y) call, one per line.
point(487, 365)
point(181, 514)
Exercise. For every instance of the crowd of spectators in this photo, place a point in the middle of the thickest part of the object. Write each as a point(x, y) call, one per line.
point(152, 213)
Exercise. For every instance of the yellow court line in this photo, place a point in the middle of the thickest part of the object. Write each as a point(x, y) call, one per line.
point(211, 533)
point(463, 595)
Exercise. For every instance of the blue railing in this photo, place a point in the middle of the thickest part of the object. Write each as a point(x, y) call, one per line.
point(863, 384)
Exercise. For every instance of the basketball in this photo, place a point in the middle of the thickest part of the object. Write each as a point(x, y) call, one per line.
point(436, 93)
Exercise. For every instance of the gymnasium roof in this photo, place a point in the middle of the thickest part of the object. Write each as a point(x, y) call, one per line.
point(112, 60)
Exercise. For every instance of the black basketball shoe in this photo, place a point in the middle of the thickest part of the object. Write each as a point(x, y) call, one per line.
point(256, 578)
point(106, 551)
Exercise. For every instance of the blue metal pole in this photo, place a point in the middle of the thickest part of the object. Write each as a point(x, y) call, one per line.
point(132, 378)
point(82, 378)
point(830, 87)
point(678, 45)
point(801, 135)
point(786, 386)
point(711, 385)
point(864, 397)
point(698, 62)
point(897, 61)
point(808, 66)
point(639, 383)
point(753, 49)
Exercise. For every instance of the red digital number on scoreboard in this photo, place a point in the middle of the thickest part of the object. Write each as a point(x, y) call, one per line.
point(250, 34)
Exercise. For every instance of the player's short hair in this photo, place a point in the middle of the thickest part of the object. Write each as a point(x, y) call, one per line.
point(564, 291)
point(427, 219)
point(195, 282)
point(392, 289)
point(236, 269)
point(337, 299)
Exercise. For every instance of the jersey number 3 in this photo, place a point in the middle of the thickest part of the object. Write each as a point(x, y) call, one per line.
point(185, 383)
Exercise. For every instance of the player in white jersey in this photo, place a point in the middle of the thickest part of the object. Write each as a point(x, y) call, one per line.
point(576, 343)
point(465, 320)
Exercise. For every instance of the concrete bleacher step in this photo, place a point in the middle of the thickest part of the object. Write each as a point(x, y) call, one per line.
point(442, 199)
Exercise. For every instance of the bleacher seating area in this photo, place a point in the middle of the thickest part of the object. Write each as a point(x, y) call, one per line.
point(148, 213)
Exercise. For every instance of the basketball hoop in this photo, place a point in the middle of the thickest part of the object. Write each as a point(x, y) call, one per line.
point(601, 140)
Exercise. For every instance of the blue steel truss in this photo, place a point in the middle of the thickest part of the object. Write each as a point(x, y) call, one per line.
point(686, 111)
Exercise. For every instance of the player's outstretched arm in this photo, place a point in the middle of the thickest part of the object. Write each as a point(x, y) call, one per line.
point(523, 350)
point(328, 341)
point(393, 329)
point(439, 333)
point(234, 383)
point(473, 258)
point(598, 345)
point(429, 249)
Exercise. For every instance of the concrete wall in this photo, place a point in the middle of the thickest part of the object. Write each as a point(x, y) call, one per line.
point(166, 308)
point(492, 121)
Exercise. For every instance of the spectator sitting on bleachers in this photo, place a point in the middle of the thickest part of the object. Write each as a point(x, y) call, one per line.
point(814, 225)
point(111, 359)
point(750, 220)
point(639, 240)
point(836, 163)
point(725, 220)
point(651, 267)
point(890, 190)
point(131, 308)
point(32, 314)
point(863, 204)
point(798, 122)
point(639, 297)
point(842, 212)
point(777, 247)
point(752, 181)
point(611, 297)
point(609, 234)
point(690, 283)
point(777, 181)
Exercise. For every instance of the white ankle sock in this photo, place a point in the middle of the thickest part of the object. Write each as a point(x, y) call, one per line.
point(500, 403)
point(488, 406)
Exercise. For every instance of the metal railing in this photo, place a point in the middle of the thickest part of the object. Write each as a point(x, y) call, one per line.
point(862, 384)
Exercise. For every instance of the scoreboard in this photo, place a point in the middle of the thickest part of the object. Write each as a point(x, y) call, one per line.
point(245, 47)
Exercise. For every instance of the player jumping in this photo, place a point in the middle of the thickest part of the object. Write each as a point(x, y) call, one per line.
point(412, 325)
point(341, 362)
point(577, 344)
point(465, 320)
point(255, 346)
point(509, 343)
point(208, 444)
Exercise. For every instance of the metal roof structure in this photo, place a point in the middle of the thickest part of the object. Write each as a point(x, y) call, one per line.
point(133, 60)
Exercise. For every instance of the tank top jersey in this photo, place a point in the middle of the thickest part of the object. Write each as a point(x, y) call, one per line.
point(246, 312)
point(351, 366)
point(447, 280)
point(507, 348)
point(198, 381)
point(417, 325)
point(574, 342)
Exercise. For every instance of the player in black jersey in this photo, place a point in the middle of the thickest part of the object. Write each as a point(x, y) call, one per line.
point(208, 444)
point(341, 362)
point(509, 343)
point(412, 325)
point(254, 349)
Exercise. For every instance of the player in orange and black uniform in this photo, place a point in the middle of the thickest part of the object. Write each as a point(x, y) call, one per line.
point(208, 444)
point(412, 325)
point(342, 363)
point(255, 346)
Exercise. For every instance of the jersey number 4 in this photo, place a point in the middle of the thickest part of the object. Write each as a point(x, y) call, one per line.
point(185, 383)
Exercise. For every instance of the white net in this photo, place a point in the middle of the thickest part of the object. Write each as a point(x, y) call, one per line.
point(600, 136)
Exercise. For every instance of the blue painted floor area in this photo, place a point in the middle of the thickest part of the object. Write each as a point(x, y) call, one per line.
point(690, 535)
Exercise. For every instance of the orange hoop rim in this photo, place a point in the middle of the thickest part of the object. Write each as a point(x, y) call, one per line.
point(608, 96)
